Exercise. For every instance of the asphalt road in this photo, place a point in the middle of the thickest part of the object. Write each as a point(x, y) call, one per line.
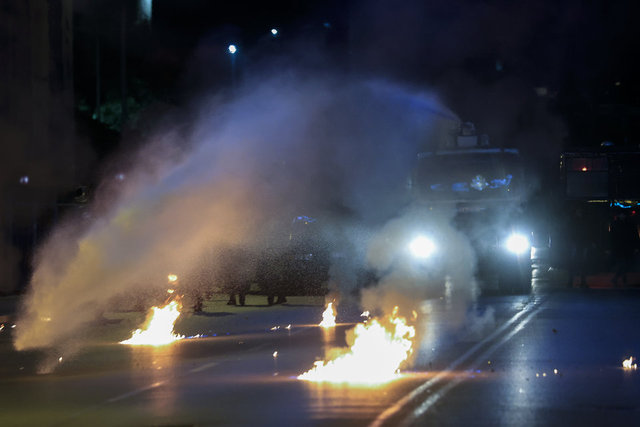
point(552, 358)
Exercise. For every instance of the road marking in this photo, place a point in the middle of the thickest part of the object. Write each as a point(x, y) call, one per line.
point(134, 392)
point(156, 384)
point(203, 367)
point(191, 371)
point(65, 421)
point(530, 311)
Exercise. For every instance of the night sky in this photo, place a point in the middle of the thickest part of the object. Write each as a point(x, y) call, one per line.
point(496, 63)
point(542, 76)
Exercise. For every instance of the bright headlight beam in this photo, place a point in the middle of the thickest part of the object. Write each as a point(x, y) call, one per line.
point(422, 247)
point(517, 243)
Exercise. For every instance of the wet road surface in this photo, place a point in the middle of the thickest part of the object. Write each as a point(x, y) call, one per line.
point(547, 359)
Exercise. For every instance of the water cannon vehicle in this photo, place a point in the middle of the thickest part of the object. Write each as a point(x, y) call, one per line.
point(480, 189)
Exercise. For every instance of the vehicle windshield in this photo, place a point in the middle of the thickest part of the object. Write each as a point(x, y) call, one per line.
point(468, 176)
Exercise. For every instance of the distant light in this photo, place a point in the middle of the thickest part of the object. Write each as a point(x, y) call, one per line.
point(24, 180)
point(327, 25)
point(499, 65)
point(274, 31)
point(120, 177)
point(584, 169)
point(618, 83)
point(145, 10)
point(232, 49)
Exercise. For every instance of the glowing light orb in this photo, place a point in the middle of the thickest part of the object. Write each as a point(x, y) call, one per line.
point(422, 247)
point(517, 243)
point(159, 327)
point(628, 364)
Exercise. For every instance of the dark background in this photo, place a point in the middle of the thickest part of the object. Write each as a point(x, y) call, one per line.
point(82, 80)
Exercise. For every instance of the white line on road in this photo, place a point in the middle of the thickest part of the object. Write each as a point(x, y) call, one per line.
point(530, 311)
point(157, 384)
point(135, 392)
point(203, 367)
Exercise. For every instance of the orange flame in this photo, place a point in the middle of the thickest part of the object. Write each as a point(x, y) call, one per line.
point(377, 352)
point(159, 327)
point(328, 317)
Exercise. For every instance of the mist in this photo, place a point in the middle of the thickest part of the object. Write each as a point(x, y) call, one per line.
point(331, 147)
point(436, 293)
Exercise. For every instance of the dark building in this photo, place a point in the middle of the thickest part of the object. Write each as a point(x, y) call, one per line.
point(38, 145)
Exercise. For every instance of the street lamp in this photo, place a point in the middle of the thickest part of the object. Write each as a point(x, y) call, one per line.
point(232, 51)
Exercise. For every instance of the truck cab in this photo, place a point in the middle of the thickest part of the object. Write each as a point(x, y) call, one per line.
point(482, 189)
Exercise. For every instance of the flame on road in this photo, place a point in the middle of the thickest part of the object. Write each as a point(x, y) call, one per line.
point(378, 350)
point(328, 317)
point(159, 328)
point(628, 364)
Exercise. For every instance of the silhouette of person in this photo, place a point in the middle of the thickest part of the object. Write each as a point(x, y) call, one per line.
point(579, 244)
point(624, 243)
point(236, 273)
point(272, 276)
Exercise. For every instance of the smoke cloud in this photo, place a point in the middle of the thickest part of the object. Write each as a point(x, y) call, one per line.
point(284, 146)
point(437, 292)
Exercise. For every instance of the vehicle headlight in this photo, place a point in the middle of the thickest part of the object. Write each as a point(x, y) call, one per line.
point(422, 247)
point(517, 243)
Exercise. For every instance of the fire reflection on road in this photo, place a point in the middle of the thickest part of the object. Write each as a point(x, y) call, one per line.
point(331, 400)
point(159, 366)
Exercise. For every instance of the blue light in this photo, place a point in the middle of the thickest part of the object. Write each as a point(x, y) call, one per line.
point(305, 219)
point(497, 183)
point(460, 186)
point(479, 183)
point(625, 205)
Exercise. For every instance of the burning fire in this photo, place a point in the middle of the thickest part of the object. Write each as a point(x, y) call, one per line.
point(628, 364)
point(378, 350)
point(328, 317)
point(159, 327)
